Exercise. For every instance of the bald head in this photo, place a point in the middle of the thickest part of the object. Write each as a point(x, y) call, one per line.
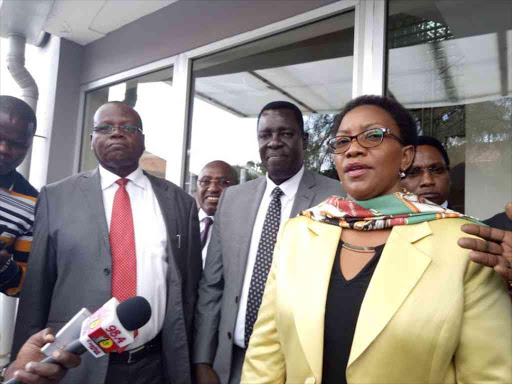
point(117, 150)
point(227, 170)
point(122, 107)
point(213, 179)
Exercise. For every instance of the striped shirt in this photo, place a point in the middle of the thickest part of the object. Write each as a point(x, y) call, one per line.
point(17, 206)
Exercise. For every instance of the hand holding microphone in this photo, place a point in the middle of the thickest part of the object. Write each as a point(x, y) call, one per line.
point(110, 329)
point(29, 371)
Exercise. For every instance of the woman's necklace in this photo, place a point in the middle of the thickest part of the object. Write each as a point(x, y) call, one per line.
point(357, 248)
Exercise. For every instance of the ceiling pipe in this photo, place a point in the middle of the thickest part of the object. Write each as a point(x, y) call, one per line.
point(29, 90)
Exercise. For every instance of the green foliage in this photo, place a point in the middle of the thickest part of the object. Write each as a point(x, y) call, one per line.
point(317, 157)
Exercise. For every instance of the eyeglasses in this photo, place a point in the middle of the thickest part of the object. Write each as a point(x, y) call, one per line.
point(367, 139)
point(435, 170)
point(222, 182)
point(107, 129)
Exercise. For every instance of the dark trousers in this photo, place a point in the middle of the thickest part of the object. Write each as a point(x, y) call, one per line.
point(237, 362)
point(149, 370)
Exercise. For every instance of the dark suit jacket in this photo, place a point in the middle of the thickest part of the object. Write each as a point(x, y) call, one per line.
point(70, 263)
point(221, 284)
point(500, 221)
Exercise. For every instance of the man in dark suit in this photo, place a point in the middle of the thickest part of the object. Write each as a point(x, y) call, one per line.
point(429, 175)
point(213, 179)
point(116, 231)
point(239, 255)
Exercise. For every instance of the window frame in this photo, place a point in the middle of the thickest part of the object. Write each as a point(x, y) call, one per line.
point(368, 71)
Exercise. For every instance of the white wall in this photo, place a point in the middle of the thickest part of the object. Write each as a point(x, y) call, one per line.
point(42, 63)
point(180, 27)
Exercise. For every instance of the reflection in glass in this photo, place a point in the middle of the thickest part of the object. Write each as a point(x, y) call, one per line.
point(449, 63)
point(310, 66)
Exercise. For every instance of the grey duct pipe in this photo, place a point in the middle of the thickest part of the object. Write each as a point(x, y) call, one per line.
point(29, 90)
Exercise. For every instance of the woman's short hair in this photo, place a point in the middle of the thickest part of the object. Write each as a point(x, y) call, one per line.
point(402, 117)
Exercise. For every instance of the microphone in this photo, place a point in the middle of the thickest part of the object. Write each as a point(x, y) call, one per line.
point(114, 326)
point(110, 329)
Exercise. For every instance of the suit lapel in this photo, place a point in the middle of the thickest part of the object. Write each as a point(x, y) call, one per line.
point(90, 186)
point(398, 271)
point(305, 194)
point(250, 203)
point(311, 282)
point(166, 202)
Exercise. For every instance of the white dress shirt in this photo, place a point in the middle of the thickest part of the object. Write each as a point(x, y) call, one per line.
point(289, 188)
point(202, 216)
point(445, 204)
point(150, 245)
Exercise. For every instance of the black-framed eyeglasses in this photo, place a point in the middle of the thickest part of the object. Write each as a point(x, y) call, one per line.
point(368, 139)
point(436, 170)
point(107, 129)
point(205, 182)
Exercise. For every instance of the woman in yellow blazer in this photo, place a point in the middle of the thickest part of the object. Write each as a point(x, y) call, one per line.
point(375, 289)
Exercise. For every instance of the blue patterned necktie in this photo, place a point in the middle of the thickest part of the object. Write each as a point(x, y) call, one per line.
point(263, 262)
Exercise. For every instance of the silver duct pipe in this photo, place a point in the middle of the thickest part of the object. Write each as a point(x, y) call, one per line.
point(29, 90)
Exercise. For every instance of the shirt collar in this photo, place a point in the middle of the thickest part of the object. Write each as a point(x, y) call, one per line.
point(445, 204)
point(202, 214)
point(7, 180)
point(108, 178)
point(289, 187)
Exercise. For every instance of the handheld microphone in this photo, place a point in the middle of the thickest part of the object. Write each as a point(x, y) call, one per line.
point(110, 329)
point(114, 326)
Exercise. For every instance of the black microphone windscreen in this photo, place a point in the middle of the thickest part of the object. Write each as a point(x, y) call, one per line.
point(134, 313)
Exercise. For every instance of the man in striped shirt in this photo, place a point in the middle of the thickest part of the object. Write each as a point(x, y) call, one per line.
point(17, 205)
point(17, 197)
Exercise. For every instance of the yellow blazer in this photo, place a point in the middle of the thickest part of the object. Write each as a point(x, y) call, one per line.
point(429, 315)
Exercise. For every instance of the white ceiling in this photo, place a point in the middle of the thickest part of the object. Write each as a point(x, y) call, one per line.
point(81, 21)
point(25, 17)
point(321, 87)
point(84, 21)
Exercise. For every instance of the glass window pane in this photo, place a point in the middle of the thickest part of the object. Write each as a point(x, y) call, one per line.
point(310, 66)
point(449, 62)
point(152, 97)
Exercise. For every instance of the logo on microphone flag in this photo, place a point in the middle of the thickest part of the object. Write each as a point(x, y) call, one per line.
point(103, 333)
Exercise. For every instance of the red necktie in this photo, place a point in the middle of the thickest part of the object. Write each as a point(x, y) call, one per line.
point(122, 244)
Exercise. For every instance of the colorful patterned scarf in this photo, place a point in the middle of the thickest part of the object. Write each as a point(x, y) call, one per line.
point(400, 208)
